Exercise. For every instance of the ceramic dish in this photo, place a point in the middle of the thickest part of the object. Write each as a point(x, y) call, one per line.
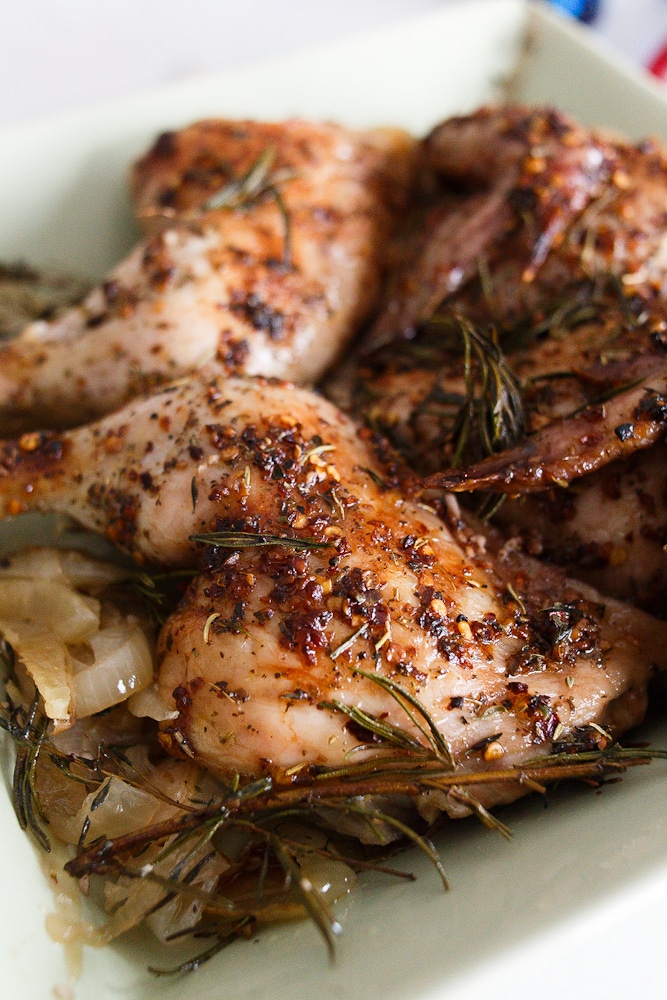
point(575, 900)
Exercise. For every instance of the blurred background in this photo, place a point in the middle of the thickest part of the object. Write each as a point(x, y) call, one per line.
point(59, 55)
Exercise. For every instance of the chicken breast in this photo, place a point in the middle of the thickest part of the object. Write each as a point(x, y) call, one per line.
point(269, 270)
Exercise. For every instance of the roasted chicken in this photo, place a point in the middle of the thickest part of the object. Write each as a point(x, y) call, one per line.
point(532, 354)
point(321, 576)
point(326, 574)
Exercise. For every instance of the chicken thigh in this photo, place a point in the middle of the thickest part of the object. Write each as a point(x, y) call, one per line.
point(275, 653)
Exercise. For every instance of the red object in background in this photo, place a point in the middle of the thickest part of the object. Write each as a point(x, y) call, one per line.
point(658, 65)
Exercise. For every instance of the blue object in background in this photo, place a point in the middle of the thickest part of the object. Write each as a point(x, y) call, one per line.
point(584, 10)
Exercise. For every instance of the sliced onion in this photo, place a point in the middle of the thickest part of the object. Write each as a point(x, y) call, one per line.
point(88, 574)
point(49, 664)
point(38, 618)
point(148, 704)
point(49, 605)
point(82, 656)
point(33, 563)
point(123, 664)
point(67, 565)
point(60, 799)
point(120, 809)
point(183, 912)
point(140, 899)
point(330, 877)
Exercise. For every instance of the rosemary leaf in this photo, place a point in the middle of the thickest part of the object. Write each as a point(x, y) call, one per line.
point(243, 191)
point(379, 816)
point(311, 899)
point(491, 417)
point(250, 540)
point(401, 695)
point(252, 187)
point(387, 732)
point(221, 942)
point(491, 822)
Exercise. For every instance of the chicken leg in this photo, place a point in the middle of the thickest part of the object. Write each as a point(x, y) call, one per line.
point(270, 274)
point(318, 567)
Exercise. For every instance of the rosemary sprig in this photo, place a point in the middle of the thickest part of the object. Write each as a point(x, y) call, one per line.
point(487, 414)
point(221, 942)
point(492, 414)
point(381, 817)
point(159, 592)
point(417, 714)
point(327, 925)
point(26, 801)
point(243, 191)
point(387, 732)
point(27, 295)
point(406, 774)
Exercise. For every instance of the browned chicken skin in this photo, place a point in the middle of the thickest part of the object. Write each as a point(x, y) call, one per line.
point(608, 528)
point(523, 178)
point(571, 293)
point(532, 203)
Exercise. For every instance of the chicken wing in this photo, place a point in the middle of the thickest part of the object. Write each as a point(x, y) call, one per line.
point(532, 204)
point(516, 181)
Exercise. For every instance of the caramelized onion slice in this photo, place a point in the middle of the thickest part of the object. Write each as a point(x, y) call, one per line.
point(82, 655)
point(122, 665)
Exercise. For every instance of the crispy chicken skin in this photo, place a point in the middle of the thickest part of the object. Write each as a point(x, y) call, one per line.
point(498, 649)
point(523, 177)
point(273, 281)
